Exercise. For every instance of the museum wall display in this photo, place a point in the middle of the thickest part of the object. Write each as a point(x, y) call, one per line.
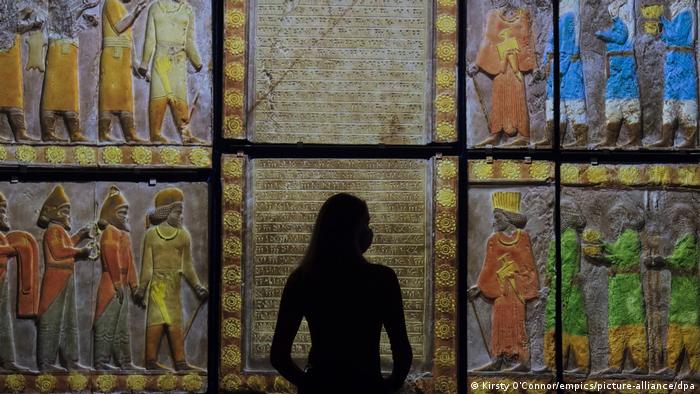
point(374, 72)
point(269, 209)
point(103, 287)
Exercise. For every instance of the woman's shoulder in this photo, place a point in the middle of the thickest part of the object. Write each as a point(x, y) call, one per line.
point(380, 270)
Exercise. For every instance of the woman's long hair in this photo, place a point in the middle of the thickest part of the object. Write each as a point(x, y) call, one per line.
point(335, 233)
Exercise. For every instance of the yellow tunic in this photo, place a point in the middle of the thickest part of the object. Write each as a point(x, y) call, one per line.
point(170, 42)
point(166, 258)
point(116, 90)
point(61, 80)
point(12, 92)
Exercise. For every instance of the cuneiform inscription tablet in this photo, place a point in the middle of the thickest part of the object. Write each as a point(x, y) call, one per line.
point(287, 195)
point(342, 71)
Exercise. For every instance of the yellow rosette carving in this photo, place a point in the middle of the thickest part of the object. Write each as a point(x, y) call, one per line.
point(234, 19)
point(445, 302)
point(257, 383)
point(628, 175)
point(170, 156)
point(106, 383)
point(45, 383)
point(232, 276)
point(446, 249)
point(200, 157)
point(192, 383)
point(235, 71)
point(447, 169)
point(446, 24)
point(233, 194)
point(445, 78)
point(445, 103)
point(141, 155)
point(235, 45)
point(481, 169)
point(233, 99)
point(445, 385)
point(569, 173)
point(167, 382)
point(85, 156)
point(232, 302)
point(25, 154)
point(232, 168)
point(233, 247)
point(112, 155)
point(230, 356)
point(597, 174)
point(445, 276)
point(231, 382)
point(444, 357)
point(233, 126)
point(231, 328)
point(446, 198)
point(540, 170)
point(15, 383)
point(446, 51)
point(444, 329)
point(446, 223)
point(446, 131)
point(136, 382)
point(3, 153)
point(659, 174)
point(55, 154)
point(510, 169)
point(282, 385)
point(77, 382)
point(233, 221)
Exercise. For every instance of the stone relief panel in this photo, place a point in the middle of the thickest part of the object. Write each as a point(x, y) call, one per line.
point(639, 275)
point(508, 59)
point(269, 209)
point(511, 287)
point(89, 82)
point(371, 72)
point(648, 51)
point(104, 287)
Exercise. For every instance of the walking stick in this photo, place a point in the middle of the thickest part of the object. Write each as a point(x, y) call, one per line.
point(481, 328)
point(194, 316)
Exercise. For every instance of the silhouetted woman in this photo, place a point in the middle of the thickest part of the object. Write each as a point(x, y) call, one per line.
point(346, 300)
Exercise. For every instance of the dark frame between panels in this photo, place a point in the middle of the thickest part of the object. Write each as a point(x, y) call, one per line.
point(220, 146)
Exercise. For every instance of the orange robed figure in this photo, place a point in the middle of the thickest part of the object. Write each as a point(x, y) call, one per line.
point(112, 339)
point(505, 54)
point(23, 248)
point(509, 278)
point(57, 328)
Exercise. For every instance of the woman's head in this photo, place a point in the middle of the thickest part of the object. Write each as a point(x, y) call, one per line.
point(341, 231)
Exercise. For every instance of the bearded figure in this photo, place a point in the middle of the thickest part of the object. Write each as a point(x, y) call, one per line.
point(167, 257)
point(23, 248)
point(57, 332)
point(112, 340)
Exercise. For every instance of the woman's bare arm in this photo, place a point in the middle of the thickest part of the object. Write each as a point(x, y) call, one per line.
point(288, 322)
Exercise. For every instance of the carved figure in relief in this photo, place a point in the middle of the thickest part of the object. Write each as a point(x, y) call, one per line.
point(508, 278)
point(626, 313)
point(622, 104)
point(680, 106)
point(684, 306)
point(116, 66)
point(572, 89)
point(24, 249)
point(505, 53)
point(112, 339)
point(61, 95)
point(574, 318)
point(14, 23)
point(166, 259)
point(169, 45)
point(57, 326)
